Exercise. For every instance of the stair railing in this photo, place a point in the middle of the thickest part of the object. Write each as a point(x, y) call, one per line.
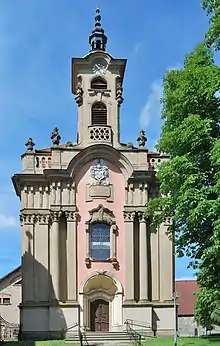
point(80, 333)
point(138, 324)
point(135, 337)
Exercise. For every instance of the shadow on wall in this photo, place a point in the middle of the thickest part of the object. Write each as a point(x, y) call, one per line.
point(155, 320)
point(41, 316)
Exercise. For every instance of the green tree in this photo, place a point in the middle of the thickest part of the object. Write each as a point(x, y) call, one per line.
point(190, 180)
point(212, 8)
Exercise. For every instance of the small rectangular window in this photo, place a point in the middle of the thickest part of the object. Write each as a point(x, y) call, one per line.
point(6, 301)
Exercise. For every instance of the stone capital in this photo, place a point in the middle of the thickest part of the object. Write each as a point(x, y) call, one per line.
point(71, 216)
point(43, 219)
point(27, 219)
point(141, 216)
point(129, 216)
point(55, 215)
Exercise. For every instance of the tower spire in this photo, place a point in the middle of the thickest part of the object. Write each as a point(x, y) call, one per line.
point(97, 39)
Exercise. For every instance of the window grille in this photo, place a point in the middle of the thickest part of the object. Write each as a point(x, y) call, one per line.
point(100, 241)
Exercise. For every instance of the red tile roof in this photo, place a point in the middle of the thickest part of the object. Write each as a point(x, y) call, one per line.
point(187, 299)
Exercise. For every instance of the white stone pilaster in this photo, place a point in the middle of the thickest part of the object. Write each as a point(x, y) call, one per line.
point(126, 193)
point(58, 193)
point(129, 256)
point(87, 242)
point(41, 195)
point(143, 258)
point(71, 218)
point(113, 242)
point(166, 262)
point(27, 260)
point(53, 193)
point(41, 264)
point(31, 197)
point(46, 200)
point(54, 256)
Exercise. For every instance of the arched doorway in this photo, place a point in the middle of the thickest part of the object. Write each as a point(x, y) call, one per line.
point(100, 297)
point(99, 316)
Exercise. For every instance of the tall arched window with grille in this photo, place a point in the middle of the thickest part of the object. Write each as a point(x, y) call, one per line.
point(98, 83)
point(99, 114)
point(100, 241)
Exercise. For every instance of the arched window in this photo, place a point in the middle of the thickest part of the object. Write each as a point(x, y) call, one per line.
point(99, 114)
point(98, 44)
point(98, 83)
point(49, 162)
point(43, 162)
point(100, 241)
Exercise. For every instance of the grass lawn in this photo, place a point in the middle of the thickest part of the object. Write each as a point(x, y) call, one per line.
point(213, 341)
point(38, 343)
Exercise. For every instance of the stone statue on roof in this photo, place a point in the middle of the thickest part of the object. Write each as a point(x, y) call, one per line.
point(55, 136)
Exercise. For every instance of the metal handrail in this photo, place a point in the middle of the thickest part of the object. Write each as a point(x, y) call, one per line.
point(72, 326)
point(79, 332)
point(134, 335)
point(135, 323)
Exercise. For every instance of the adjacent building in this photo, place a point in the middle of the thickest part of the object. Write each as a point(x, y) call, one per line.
point(89, 256)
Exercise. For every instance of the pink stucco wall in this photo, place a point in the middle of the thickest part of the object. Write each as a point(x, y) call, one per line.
point(117, 179)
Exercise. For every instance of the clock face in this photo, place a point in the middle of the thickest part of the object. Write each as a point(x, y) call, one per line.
point(99, 69)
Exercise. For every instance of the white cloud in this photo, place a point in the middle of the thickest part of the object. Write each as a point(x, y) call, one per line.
point(186, 278)
point(152, 109)
point(177, 66)
point(137, 48)
point(7, 221)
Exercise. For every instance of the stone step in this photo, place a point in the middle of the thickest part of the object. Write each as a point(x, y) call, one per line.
point(101, 337)
point(108, 338)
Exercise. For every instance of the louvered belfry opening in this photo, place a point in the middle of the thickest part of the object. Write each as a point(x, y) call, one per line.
point(99, 114)
point(98, 83)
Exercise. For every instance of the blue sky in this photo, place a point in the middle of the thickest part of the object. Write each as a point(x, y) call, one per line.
point(38, 39)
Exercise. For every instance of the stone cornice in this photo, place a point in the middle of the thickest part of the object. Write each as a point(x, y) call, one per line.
point(57, 174)
point(131, 208)
point(42, 304)
point(155, 304)
point(46, 178)
point(143, 175)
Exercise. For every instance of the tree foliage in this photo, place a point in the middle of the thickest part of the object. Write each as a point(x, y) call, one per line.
point(212, 8)
point(190, 179)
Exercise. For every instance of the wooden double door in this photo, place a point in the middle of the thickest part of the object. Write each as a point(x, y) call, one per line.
point(99, 315)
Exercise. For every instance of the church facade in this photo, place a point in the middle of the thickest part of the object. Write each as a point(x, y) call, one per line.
point(89, 255)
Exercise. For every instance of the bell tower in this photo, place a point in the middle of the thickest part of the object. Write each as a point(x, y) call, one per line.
point(97, 83)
